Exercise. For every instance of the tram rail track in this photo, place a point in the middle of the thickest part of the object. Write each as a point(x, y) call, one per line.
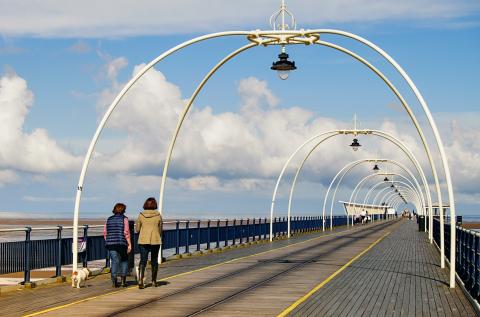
point(293, 265)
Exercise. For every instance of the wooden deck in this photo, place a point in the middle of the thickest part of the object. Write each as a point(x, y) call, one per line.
point(400, 276)
point(264, 280)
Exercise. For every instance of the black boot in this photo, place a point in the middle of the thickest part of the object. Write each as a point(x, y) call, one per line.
point(141, 275)
point(154, 275)
point(124, 281)
point(114, 282)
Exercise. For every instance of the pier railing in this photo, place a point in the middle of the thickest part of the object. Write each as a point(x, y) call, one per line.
point(467, 255)
point(179, 237)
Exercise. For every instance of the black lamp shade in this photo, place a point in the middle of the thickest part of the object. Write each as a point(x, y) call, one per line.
point(283, 64)
point(355, 145)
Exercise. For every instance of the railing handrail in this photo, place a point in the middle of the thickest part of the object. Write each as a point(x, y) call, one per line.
point(47, 228)
point(470, 231)
point(165, 222)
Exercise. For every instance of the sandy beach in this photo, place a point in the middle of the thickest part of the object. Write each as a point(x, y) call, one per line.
point(471, 225)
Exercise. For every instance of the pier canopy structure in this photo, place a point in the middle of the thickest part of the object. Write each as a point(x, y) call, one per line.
point(284, 32)
point(318, 139)
point(352, 209)
point(350, 166)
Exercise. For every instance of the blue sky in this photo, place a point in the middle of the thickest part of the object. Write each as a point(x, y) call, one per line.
point(73, 68)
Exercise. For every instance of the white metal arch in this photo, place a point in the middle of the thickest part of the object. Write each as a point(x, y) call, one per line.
point(353, 196)
point(379, 193)
point(418, 201)
point(407, 194)
point(438, 140)
point(313, 39)
point(359, 162)
point(393, 174)
point(110, 110)
point(411, 157)
point(325, 136)
point(394, 196)
point(283, 37)
point(381, 183)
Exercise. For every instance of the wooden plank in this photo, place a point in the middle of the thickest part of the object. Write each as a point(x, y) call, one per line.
point(398, 276)
point(413, 284)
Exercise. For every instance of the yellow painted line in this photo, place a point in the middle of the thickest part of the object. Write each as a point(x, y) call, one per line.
point(290, 308)
point(73, 303)
point(182, 274)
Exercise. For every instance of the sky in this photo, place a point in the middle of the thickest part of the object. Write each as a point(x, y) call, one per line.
point(63, 63)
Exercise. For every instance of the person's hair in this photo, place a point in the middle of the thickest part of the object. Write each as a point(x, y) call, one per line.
point(119, 208)
point(150, 204)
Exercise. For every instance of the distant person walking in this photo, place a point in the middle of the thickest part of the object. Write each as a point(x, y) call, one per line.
point(117, 241)
point(149, 229)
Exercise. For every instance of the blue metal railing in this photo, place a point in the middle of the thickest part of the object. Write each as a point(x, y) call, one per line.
point(186, 236)
point(467, 254)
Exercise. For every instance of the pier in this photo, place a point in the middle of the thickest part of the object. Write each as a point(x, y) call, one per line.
point(387, 241)
point(388, 268)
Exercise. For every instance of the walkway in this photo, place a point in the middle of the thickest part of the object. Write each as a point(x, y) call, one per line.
point(364, 270)
point(399, 277)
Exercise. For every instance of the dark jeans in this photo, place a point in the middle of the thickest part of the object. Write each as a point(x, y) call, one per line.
point(149, 248)
point(116, 264)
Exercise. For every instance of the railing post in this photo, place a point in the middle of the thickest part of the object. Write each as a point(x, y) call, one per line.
point(85, 238)
point(177, 242)
point(248, 230)
point(241, 231)
point(265, 231)
point(218, 234)
point(254, 230)
point(27, 255)
point(58, 269)
point(187, 240)
point(471, 262)
point(198, 235)
point(476, 285)
point(273, 225)
point(234, 232)
point(226, 232)
point(208, 234)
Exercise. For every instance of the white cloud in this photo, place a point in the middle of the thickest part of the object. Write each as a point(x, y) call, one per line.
point(110, 18)
point(253, 142)
point(50, 199)
point(31, 152)
point(79, 47)
point(244, 151)
point(8, 177)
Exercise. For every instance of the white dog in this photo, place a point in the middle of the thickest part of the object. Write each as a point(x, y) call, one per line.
point(79, 277)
